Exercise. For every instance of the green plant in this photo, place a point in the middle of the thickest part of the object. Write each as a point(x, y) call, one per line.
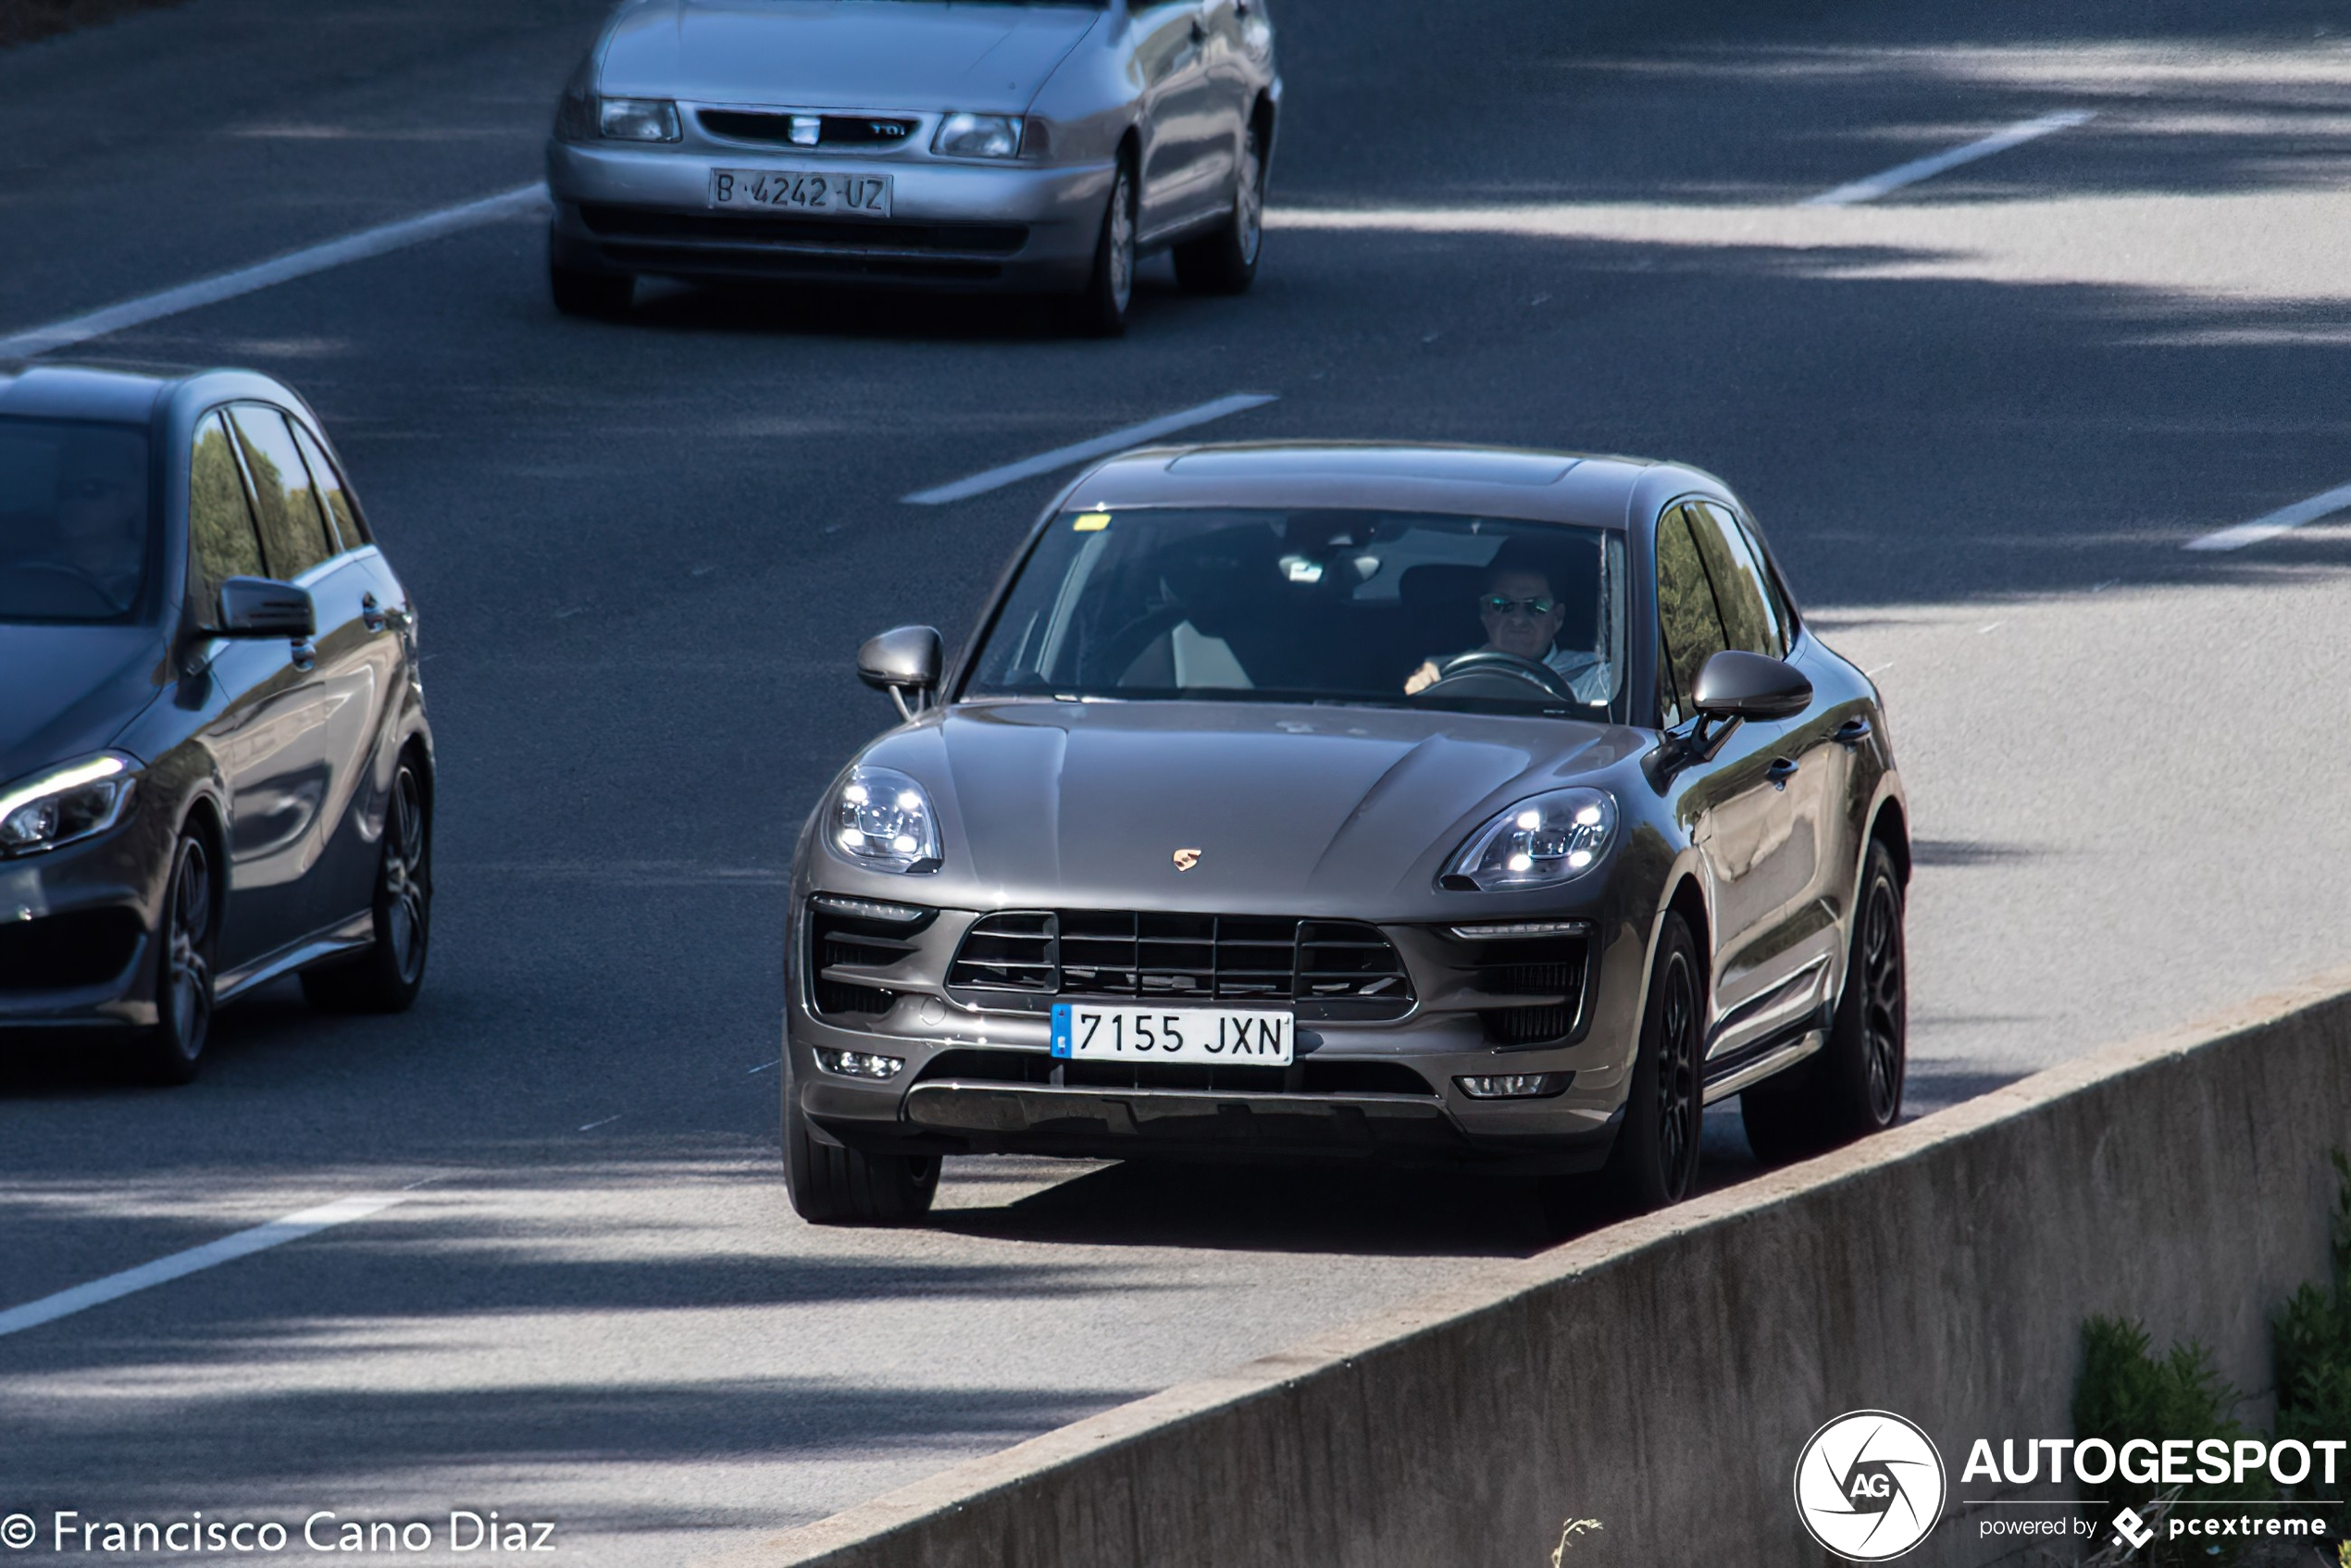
point(2127, 1391)
point(2311, 1345)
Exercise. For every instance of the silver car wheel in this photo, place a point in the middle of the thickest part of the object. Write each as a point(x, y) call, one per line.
point(1122, 241)
point(1249, 203)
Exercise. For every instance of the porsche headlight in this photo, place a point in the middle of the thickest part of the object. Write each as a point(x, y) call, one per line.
point(1539, 842)
point(66, 802)
point(884, 820)
point(977, 136)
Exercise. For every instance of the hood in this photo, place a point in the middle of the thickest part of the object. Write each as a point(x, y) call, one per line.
point(68, 690)
point(842, 54)
point(1293, 809)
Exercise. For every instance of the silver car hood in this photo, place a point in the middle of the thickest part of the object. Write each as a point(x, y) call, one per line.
point(1291, 809)
point(918, 54)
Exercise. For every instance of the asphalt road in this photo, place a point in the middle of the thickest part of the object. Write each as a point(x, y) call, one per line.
point(1979, 415)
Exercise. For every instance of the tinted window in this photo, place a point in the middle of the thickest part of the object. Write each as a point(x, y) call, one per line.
point(328, 486)
point(1740, 593)
point(75, 518)
point(1685, 616)
point(221, 543)
point(1315, 604)
point(1781, 611)
point(294, 526)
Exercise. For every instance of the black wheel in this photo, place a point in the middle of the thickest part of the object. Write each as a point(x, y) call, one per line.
point(1225, 262)
point(172, 1049)
point(1655, 1159)
point(602, 296)
point(1853, 1086)
point(1099, 310)
point(833, 1185)
point(387, 977)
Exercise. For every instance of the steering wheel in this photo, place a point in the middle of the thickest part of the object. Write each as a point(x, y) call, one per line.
point(76, 573)
point(1464, 667)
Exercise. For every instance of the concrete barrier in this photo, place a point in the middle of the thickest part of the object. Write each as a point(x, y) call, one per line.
point(1662, 1375)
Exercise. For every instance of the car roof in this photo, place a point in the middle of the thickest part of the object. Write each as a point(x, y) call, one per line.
point(125, 392)
point(1587, 489)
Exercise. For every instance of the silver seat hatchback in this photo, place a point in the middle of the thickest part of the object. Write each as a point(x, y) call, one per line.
point(969, 144)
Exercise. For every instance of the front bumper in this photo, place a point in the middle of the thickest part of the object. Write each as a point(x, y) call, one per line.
point(76, 931)
point(952, 225)
point(981, 1079)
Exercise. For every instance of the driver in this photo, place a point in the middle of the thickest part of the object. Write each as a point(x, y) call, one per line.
point(102, 512)
point(1522, 615)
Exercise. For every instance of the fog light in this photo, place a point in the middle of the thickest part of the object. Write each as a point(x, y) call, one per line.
point(1515, 1086)
point(860, 1063)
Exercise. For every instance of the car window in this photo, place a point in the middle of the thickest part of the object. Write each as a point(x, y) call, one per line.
point(1687, 619)
point(294, 526)
point(1740, 594)
point(329, 485)
point(1312, 605)
point(1773, 592)
point(221, 541)
point(75, 515)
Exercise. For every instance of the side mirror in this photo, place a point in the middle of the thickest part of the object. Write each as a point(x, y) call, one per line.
point(906, 659)
point(1734, 684)
point(257, 606)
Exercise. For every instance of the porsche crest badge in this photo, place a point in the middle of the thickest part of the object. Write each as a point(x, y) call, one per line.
point(1187, 859)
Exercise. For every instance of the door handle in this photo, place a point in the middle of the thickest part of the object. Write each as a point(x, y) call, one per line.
point(1781, 771)
point(372, 613)
point(304, 653)
point(1853, 731)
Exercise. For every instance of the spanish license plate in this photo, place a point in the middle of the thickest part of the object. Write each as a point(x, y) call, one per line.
point(830, 192)
point(1171, 1034)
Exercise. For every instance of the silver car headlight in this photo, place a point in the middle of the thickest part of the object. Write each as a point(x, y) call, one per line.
point(1539, 842)
point(964, 135)
point(70, 802)
point(636, 119)
point(883, 820)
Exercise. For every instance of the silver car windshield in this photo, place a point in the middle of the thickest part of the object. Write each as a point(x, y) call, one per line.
point(1320, 606)
point(75, 515)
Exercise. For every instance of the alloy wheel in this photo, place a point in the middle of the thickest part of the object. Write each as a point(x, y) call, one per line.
point(188, 966)
point(1248, 216)
point(1677, 1106)
point(404, 872)
point(1122, 241)
point(1883, 1002)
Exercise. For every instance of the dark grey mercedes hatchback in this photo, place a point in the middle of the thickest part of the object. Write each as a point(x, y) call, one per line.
point(1401, 802)
point(215, 767)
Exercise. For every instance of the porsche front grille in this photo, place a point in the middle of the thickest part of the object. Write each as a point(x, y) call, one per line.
point(1342, 968)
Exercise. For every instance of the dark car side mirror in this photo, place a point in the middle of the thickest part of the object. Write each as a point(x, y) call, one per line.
point(1735, 684)
point(907, 658)
point(258, 606)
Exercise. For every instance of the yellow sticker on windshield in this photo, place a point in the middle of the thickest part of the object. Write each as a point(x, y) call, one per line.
point(1090, 522)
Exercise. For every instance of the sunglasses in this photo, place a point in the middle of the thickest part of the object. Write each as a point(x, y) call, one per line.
point(1494, 605)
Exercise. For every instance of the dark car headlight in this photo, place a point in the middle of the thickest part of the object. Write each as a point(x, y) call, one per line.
point(1540, 842)
point(884, 821)
point(963, 135)
point(71, 801)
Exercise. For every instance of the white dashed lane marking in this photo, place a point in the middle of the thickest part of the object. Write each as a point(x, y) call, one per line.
point(1101, 446)
point(1910, 173)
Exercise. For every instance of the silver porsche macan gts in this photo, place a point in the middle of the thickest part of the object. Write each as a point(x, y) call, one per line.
point(1405, 802)
point(974, 144)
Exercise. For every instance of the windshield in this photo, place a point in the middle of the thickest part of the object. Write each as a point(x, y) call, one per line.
point(74, 519)
point(1320, 606)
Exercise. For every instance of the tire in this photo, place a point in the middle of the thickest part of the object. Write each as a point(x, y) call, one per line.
point(172, 1050)
point(1225, 262)
point(1099, 310)
point(833, 1185)
point(1853, 1086)
point(387, 977)
point(601, 296)
point(1655, 1159)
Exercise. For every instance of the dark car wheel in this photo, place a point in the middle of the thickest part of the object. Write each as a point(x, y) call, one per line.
point(1225, 262)
point(1100, 309)
point(833, 1185)
point(1853, 1086)
point(172, 1050)
point(602, 296)
point(1655, 1159)
point(387, 977)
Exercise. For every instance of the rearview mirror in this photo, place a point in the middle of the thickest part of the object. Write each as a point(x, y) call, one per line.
point(905, 659)
point(258, 606)
point(1734, 684)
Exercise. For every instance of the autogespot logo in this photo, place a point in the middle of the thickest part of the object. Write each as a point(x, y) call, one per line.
point(1869, 1485)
